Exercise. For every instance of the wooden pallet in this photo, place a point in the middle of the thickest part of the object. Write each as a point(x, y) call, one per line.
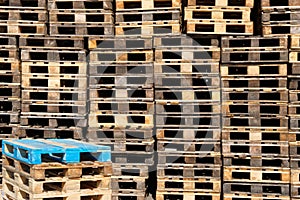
point(33, 95)
point(86, 5)
point(176, 108)
point(188, 147)
point(63, 133)
point(189, 185)
point(58, 171)
point(258, 95)
point(124, 184)
point(102, 107)
point(44, 82)
point(54, 109)
point(8, 42)
point(65, 16)
point(204, 69)
point(23, 15)
point(155, 29)
point(9, 67)
point(18, 28)
point(123, 5)
point(112, 57)
point(119, 43)
point(10, 105)
point(246, 3)
point(148, 16)
point(192, 171)
point(10, 79)
point(246, 174)
point(138, 146)
point(9, 131)
point(178, 81)
point(229, 27)
point(256, 148)
point(9, 118)
point(125, 170)
point(21, 4)
point(211, 121)
point(39, 121)
point(211, 160)
point(185, 41)
point(51, 43)
point(254, 109)
point(10, 92)
point(197, 95)
point(140, 121)
point(255, 56)
point(55, 68)
point(115, 94)
point(182, 55)
point(50, 55)
point(256, 161)
point(257, 188)
point(236, 196)
point(81, 29)
point(280, 16)
point(130, 158)
point(279, 4)
point(264, 70)
point(275, 29)
point(249, 134)
point(45, 187)
point(256, 122)
point(250, 43)
point(9, 54)
point(21, 194)
point(96, 134)
point(162, 195)
point(253, 83)
point(188, 134)
point(217, 13)
point(122, 81)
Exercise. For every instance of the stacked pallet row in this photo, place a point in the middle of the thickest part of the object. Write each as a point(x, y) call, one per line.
point(187, 98)
point(148, 18)
point(42, 175)
point(121, 109)
point(23, 17)
point(220, 17)
point(255, 124)
point(280, 17)
point(54, 87)
point(294, 114)
point(81, 18)
point(10, 104)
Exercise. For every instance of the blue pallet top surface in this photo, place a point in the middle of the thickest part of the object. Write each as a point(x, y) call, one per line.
point(32, 150)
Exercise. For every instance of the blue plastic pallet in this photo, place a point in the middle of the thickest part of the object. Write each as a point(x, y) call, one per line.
point(37, 151)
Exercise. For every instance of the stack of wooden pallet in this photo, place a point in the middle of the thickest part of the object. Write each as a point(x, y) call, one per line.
point(81, 18)
point(280, 17)
point(54, 87)
point(255, 124)
point(220, 17)
point(10, 105)
point(63, 170)
point(294, 114)
point(122, 108)
point(23, 17)
point(188, 117)
point(151, 17)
